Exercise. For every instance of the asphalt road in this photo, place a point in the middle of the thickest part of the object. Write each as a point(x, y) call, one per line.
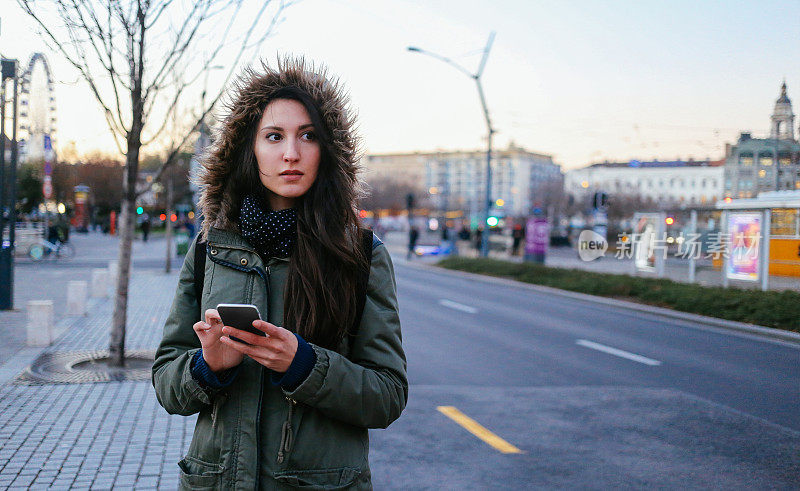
point(593, 396)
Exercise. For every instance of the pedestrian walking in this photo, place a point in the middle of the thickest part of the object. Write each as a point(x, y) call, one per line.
point(287, 405)
point(413, 236)
point(517, 234)
point(145, 226)
point(478, 240)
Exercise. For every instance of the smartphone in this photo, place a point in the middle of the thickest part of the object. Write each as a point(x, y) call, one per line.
point(240, 316)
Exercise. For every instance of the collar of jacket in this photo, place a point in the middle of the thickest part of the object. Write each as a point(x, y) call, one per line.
point(231, 247)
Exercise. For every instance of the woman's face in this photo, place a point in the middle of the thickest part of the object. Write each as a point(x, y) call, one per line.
point(287, 152)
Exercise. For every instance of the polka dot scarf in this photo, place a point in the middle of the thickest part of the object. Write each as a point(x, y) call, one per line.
point(272, 233)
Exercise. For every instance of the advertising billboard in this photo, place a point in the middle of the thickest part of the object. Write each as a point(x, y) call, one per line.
point(645, 233)
point(537, 238)
point(744, 233)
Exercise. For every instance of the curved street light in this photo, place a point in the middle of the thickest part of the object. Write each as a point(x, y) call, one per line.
point(490, 131)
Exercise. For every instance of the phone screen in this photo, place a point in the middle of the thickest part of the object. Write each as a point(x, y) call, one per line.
point(240, 316)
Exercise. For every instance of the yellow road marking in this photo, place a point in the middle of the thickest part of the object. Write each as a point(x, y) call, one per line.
point(478, 430)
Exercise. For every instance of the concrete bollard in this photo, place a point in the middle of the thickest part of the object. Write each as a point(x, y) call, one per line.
point(99, 283)
point(40, 323)
point(76, 297)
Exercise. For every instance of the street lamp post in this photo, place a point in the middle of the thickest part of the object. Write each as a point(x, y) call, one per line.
point(490, 131)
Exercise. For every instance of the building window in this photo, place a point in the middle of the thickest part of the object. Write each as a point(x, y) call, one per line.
point(765, 159)
point(746, 159)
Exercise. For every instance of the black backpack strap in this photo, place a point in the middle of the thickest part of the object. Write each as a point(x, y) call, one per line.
point(199, 272)
point(363, 280)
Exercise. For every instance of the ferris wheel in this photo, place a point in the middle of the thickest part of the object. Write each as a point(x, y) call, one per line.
point(37, 113)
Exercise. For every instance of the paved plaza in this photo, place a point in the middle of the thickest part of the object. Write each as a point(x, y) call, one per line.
point(96, 435)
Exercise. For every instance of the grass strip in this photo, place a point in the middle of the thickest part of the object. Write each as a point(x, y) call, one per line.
point(778, 309)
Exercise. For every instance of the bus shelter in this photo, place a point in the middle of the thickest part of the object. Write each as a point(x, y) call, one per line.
point(774, 218)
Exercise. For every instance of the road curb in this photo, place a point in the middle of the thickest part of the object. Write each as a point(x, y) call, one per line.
point(768, 332)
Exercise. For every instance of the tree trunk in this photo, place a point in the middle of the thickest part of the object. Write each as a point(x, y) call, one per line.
point(127, 226)
point(168, 265)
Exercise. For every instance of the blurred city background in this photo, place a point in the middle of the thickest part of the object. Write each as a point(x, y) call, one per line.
point(646, 154)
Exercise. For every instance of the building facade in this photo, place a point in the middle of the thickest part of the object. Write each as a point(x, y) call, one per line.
point(521, 179)
point(665, 183)
point(756, 165)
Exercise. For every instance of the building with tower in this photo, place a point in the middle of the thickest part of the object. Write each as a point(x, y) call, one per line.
point(756, 165)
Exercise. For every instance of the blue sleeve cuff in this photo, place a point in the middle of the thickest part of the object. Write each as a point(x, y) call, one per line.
point(206, 378)
point(303, 363)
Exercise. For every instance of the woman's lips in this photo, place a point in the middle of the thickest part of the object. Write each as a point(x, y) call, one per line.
point(291, 175)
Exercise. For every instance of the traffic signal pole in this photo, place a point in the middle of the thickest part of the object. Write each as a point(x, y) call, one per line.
point(8, 188)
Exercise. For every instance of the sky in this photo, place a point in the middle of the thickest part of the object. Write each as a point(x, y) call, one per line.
point(583, 81)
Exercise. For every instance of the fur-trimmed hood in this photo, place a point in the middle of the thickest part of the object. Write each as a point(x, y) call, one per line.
point(246, 99)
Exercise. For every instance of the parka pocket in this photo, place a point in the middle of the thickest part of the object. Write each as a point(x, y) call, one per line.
point(198, 474)
point(331, 479)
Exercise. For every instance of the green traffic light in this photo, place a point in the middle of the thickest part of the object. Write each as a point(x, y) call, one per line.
point(491, 221)
point(139, 210)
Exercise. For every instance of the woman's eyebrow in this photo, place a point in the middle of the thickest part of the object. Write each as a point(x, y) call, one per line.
point(278, 128)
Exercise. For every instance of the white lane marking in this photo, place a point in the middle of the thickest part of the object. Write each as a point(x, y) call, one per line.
point(618, 352)
point(458, 306)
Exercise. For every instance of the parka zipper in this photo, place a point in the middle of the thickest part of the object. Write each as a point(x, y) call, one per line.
point(261, 394)
point(287, 436)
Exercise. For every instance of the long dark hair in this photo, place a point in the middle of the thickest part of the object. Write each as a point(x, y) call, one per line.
point(324, 268)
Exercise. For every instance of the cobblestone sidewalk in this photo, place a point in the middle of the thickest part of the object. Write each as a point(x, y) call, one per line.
point(96, 435)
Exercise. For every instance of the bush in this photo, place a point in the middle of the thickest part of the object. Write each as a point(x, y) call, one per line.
point(771, 308)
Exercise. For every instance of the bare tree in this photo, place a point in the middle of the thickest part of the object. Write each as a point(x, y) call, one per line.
point(141, 60)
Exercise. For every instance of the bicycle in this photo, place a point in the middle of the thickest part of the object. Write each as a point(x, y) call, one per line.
point(44, 248)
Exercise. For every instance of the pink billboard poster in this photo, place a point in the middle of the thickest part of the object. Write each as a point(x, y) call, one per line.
point(745, 239)
point(537, 236)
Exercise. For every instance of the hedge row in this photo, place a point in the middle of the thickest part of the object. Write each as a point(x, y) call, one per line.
point(772, 308)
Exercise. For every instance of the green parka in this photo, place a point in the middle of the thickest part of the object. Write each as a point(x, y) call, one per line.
point(322, 424)
point(239, 428)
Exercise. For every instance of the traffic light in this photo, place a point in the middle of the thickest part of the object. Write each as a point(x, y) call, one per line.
point(600, 200)
point(139, 210)
point(492, 221)
point(669, 220)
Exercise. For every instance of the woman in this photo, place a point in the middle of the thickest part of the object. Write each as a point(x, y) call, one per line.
point(290, 409)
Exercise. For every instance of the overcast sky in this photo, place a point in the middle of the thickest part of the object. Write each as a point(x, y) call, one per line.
point(584, 81)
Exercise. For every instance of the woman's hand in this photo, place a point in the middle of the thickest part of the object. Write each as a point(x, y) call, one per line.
point(275, 351)
point(218, 356)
